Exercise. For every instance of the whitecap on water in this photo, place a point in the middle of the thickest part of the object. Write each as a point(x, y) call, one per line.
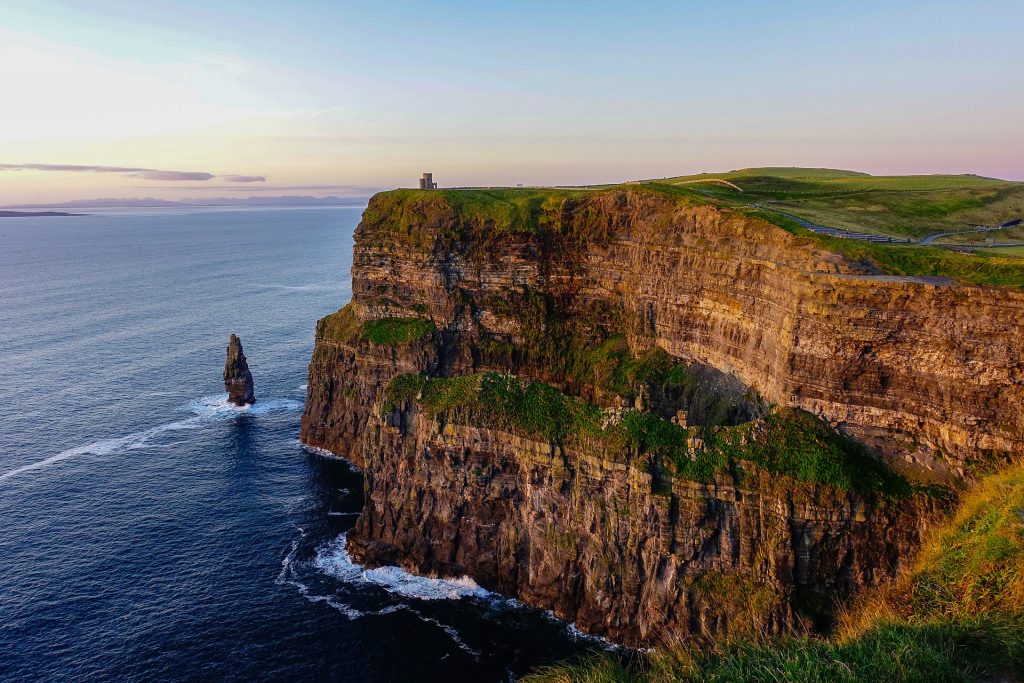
point(333, 559)
point(205, 409)
point(324, 453)
point(219, 406)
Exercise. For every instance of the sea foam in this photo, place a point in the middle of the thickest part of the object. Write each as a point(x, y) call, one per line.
point(334, 560)
point(205, 410)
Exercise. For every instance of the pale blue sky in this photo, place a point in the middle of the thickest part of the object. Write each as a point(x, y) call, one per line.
point(368, 95)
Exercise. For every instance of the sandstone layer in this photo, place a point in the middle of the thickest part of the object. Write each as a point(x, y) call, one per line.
point(926, 374)
point(237, 378)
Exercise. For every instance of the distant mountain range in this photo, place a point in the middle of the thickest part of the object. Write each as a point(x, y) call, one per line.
point(152, 202)
point(35, 214)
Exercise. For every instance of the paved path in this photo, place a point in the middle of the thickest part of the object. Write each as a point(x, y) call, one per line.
point(980, 228)
point(833, 232)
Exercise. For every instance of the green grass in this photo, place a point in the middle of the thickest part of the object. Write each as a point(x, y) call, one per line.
point(500, 402)
point(394, 331)
point(787, 443)
point(342, 326)
point(345, 327)
point(796, 444)
point(899, 206)
point(474, 220)
point(957, 615)
point(611, 366)
point(906, 259)
point(477, 212)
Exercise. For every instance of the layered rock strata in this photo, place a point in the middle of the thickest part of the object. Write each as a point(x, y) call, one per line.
point(927, 374)
point(237, 378)
point(591, 538)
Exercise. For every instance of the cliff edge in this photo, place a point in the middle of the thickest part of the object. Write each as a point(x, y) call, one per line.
point(643, 411)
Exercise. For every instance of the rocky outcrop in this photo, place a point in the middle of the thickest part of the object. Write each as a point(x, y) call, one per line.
point(578, 532)
point(928, 375)
point(237, 378)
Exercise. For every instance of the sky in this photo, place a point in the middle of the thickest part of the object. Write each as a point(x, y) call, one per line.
point(222, 98)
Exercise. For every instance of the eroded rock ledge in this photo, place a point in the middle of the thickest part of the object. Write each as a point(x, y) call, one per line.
point(633, 300)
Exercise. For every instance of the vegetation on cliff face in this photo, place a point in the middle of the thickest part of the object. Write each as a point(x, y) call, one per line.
point(958, 615)
point(345, 327)
point(392, 331)
point(787, 443)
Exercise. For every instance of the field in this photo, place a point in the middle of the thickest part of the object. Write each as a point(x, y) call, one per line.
point(907, 208)
point(897, 206)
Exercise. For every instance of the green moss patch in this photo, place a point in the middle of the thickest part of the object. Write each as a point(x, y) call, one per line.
point(394, 331)
point(787, 443)
point(345, 327)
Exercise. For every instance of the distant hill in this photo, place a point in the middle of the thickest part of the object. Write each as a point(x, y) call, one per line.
point(152, 202)
point(35, 214)
point(898, 206)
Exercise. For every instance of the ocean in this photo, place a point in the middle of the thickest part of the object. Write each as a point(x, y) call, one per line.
point(151, 531)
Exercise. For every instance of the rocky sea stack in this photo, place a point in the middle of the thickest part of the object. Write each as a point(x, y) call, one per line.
point(237, 378)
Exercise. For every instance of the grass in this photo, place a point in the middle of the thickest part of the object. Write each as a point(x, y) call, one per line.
point(957, 615)
point(480, 212)
point(787, 443)
point(345, 327)
point(979, 269)
point(474, 220)
point(394, 331)
point(899, 206)
point(796, 444)
point(612, 366)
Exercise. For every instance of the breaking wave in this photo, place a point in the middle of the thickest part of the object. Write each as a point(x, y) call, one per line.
point(219, 406)
point(206, 409)
point(333, 559)
point(324, 453)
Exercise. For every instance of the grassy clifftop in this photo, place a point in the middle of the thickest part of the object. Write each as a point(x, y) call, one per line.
point(904, 205)
point(901, 206)
point(957, 615)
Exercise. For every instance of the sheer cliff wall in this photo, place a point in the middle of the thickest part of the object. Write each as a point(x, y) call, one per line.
point(931, 376)
point(925, 373)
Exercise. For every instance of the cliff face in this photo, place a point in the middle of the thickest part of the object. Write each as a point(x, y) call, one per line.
point(574, 531)
point(926, 374)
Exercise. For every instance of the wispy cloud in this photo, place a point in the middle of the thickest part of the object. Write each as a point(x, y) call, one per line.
point(342, 190)
point(133, 172)
point(244, 178)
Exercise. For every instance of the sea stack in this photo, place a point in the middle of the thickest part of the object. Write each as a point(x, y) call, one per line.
point(237, 378)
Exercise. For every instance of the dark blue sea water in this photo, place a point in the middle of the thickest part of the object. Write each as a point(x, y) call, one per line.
point(150, 531)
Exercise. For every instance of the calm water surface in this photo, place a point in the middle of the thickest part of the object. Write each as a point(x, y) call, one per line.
point(150, 531)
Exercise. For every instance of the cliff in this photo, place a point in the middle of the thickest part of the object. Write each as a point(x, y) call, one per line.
point(703, 338)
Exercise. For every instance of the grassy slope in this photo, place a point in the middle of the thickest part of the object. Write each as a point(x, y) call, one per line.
point(958, 615)
point(901, 206)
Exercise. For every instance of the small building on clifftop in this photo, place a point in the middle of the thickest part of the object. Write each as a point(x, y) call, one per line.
point(427, 182)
